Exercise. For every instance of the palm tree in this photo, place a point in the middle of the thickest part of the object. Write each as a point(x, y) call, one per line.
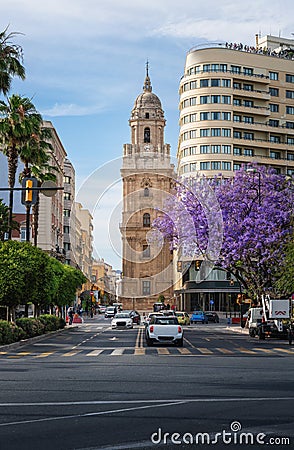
point(11, 58)
point(20, 128)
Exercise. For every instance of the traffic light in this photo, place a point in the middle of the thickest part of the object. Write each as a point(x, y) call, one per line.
point(197, 265)
point(29, 195)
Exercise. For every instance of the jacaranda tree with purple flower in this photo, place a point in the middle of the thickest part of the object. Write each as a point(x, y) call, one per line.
point(241, 224)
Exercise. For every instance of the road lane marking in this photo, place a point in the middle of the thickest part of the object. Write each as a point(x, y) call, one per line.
point(44, 354)
point(73, 353)
point(245, 350)
point(284, 350)
point(264, 350)
point(189, 343)
point(95, 352)
point(3, 353)
point(139, 351)
point(204, 351)
point(163, 351)
point(117, 351)
point(226, 351)
point(138, 338)
point(184, 351)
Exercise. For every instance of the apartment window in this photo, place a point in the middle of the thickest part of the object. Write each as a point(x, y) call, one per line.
point(226, 149)
point(236, 166)
point(204, 116)
point(186, 136)
point(66, 212)
point(185, 168)
point(146, 287)
point(204, 82)
point(204, 132)
point(274, 92)
point(215, 132)
point(226, 116)
point(237, 102)
point(193, 167)
point(248, 119)
point(185, 119)
point(193, 150)
point(204, 149)
point(236, 85)
point(66, 179)
point(248, 103)
point(223, 67)
point(226, 83)
point(67, 196)
point(215, 115)
point(146, 251)
point(237, 134)
point(236, 69)
point(214, 67)
point(205, 165)
point(290, 125)
point(247, 87)
point(226, 99)
point(274, 107)
point(215, 165)
point(290, 141)
point(273, 76)
point(249, 136)
point(66, 246)
point(273, 123)
point(146, 220)
point(193, 101)
point(23, 234)
point(275, 139)
point(237, 151)
point(66, 229)
point(193, 85)
point(186, 152)
point(275, 155)
point(215, 82)
point(226, 132)
point(186, 87)
point(192, 117)
point(204, 99)
point(248, 71)
point(206, 67)
point(248, 152)
point(185, 103)
point(290, 156)
point(192, 134)
point(289, 78)
point(290, 172)
point(215, 149)
point(226, 165)
point(215, 99)
point(290, 109)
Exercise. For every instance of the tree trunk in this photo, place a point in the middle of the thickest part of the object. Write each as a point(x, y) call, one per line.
point(12, 167)
point(36, 219)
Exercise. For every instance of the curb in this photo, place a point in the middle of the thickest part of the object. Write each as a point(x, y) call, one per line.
point(34, 339)
point(238, 330)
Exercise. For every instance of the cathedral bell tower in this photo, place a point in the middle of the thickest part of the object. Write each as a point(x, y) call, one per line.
point(148, 180)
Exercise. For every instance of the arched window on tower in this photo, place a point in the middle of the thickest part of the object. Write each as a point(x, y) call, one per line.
point(146, 115)
point(146, 192)
point(146, 220)
point(147, 135)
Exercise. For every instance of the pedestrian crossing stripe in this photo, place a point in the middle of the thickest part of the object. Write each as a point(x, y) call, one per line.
point(161, 351)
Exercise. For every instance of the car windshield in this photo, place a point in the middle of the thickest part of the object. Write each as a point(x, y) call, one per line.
point(165, 321)
point(199, 313)
point(180, 314)
point(110, 308)
point(122, 316)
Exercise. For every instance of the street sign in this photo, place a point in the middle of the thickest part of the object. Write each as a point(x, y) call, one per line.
point(51, 191)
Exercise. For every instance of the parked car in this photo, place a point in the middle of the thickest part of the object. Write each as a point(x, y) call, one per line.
point(164, 329)
point(110, 311)
point(122, 320)
point(199, 316)
point(183, 317)
point(101, 309)
point(212, 316)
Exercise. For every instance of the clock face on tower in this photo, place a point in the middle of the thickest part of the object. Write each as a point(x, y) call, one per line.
point(147, 148)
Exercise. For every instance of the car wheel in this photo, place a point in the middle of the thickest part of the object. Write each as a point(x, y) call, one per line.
point(180, 343)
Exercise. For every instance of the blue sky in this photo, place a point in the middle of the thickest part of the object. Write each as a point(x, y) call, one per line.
point(85, 65)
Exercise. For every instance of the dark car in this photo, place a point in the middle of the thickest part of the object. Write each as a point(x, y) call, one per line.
point(212, 316)
point(135, 316)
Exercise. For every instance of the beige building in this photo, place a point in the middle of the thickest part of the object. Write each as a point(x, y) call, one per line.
point(84, 241)
point(237, 106)
point(147, 176)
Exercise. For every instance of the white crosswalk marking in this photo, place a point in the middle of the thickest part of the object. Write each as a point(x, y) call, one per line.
point(117, 351)
point(95, 352)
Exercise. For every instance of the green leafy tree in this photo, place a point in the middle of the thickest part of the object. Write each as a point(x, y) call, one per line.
point(285, 283)
point(71, 279)
point(4, 218)
point(11, 58)
point(21, 135)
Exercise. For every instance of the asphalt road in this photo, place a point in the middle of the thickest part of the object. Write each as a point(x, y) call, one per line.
point(95, 388)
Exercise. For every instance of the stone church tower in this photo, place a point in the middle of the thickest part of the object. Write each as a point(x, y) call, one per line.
point(148, 180)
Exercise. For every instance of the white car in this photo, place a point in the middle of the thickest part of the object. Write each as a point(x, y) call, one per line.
point(122, 320)
point(164, 329)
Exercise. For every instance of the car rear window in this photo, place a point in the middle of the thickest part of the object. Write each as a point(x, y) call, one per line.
point(166, 321)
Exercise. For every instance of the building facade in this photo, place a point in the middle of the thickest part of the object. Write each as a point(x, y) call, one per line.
point(236, 107)
point(147, 176)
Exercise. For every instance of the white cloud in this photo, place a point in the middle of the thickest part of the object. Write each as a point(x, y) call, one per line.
point(70, 110)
